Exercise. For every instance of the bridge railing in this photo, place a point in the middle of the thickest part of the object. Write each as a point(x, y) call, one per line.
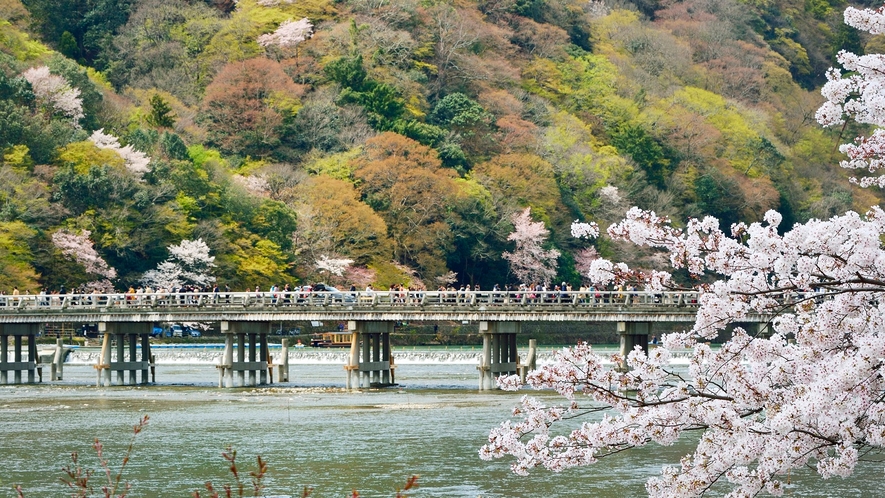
point(357, 299)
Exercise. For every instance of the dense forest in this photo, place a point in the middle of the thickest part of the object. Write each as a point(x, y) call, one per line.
point(403, 136)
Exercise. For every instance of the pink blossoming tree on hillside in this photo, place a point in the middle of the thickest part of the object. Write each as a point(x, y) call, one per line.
point(77, 247)
point(288, 35)
point(529, 261)
point(812, 393)
point(54, 93)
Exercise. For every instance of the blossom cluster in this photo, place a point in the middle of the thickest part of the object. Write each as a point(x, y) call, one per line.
point(78, 247)
point(530, 261)
point(334, 266)
point(254, 184)
point(54, 92)
point(804, 389)
point(189, 263)
point(858, 94)
point(137, 162)
point(289, 34)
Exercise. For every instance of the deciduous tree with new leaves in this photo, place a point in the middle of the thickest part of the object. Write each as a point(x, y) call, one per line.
point(810, 394)
point(529, 261)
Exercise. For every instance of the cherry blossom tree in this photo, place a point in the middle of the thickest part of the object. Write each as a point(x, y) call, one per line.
point(55, 94)
point(333, 266)
point(189, 263)
point(137, 162)
point(447, 279)
point(584, 259)
point(808, 393)
point(289, 34)
point(77, 247)
point(529, 261)
point(256, 185)
point(359, 276)
point(858, 96)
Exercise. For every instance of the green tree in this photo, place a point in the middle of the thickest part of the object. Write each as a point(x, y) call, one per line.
point(719, 196)
point(67, 45)
point(274, 221)
point(248, 260)
point(98, 187)
point(173, 147)
point(382, 102)
point(469, 121)
point(161, 115)
point(16, 258)
point(647, 152)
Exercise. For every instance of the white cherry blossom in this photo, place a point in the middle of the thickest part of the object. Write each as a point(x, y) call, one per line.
point(289, 34)
point(137, 162)
point(54, 92)
point(808, 392)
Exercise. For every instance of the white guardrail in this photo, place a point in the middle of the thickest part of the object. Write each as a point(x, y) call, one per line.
point(356, 299)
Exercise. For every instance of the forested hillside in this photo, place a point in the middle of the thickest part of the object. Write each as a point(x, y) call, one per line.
point(402, 135)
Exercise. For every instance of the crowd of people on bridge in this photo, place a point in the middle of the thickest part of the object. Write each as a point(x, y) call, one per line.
point(397, 294)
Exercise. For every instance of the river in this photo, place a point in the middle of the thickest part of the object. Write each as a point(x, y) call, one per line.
point(311, 432)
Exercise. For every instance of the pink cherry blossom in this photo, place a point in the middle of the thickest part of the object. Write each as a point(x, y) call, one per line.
point(78, 247)
point(805, 393)
point(530, 262)
point(55, 93)
point(289, 34)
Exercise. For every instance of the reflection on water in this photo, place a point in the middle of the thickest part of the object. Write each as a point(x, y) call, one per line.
point(311, 431)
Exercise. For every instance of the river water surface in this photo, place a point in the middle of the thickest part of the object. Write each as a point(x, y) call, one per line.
point(311, 431)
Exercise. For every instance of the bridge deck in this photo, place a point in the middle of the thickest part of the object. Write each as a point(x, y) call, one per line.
point(342, 305)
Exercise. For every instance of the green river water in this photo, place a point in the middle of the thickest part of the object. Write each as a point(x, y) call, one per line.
point(311, 432)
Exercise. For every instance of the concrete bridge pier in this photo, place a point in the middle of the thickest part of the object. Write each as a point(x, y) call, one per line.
point(18, 331)
point(126, 336)
point(531, 360)
point(499, 355)
point(370, 362)
point(283, 366)
point(56, 370)
point(633, 334)
point(255, 349)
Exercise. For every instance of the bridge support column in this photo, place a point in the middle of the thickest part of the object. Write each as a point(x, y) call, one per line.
point(18, 364)
point(499, 355)
point(56, 371)
point(256, 350)
point(126, 336)
point(370, 362)
point(283, 366)
point(633, 334)
point(531, 360)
